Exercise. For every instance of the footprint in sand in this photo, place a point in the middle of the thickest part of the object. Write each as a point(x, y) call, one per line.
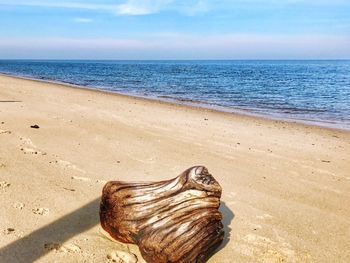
point(40, 211)
point(120, 256)
point(27, 141)
point(52, 246)
point(5, 132)
point(70, 247)
point(65, 248)
point(267, 249)
point(4, 185)
point(32, 151)
point(101, 181)
point(85, 179)
point(264, 216)
point(12, 231)
point(69, 165)
point(8, 231)
point(80, 178)
point(18, 205)
point(28, 147)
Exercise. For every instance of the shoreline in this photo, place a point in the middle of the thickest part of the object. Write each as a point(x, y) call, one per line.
point(285, 185)
point(194, 104)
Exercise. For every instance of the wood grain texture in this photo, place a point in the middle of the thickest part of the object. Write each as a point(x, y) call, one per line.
point(171, 221)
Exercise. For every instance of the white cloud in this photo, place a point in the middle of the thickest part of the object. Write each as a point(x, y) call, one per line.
point(145, 7)
point(128, 7)
point(182, 46)
point(57, 4)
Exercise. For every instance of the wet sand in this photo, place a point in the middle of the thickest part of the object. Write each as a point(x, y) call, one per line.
point(286, 186)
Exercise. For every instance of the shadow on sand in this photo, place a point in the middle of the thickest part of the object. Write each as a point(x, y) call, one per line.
point(228, 217)
point(31, 247)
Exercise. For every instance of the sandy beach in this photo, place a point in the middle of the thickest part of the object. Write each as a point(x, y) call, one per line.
point(286, 186)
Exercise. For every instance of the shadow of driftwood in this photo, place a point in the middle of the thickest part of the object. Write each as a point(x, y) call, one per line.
point(31, 247)
point(10, 101)
point(228, 217)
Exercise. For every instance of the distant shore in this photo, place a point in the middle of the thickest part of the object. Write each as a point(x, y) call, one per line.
point(285, 185)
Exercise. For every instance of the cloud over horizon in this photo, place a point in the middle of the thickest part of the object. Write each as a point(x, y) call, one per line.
point(193, 29)
point(177, 46)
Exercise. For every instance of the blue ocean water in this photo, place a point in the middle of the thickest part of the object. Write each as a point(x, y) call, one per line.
point(316, 91)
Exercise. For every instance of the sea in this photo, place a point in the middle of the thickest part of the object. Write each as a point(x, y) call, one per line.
point(311, 91)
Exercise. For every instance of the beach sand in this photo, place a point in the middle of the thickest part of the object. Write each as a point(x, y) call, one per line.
point(286, 186)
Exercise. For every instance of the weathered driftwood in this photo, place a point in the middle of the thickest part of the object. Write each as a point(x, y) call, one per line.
point(171, 221)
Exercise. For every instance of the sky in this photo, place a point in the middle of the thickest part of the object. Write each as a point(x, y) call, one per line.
point(175, 29)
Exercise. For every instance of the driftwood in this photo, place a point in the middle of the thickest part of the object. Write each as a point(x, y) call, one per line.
point(171, 221)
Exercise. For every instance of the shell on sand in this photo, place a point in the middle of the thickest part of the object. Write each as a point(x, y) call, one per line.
point(171, 221)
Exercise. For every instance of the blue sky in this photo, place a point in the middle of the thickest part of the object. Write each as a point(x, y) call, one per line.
point(175, 29)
